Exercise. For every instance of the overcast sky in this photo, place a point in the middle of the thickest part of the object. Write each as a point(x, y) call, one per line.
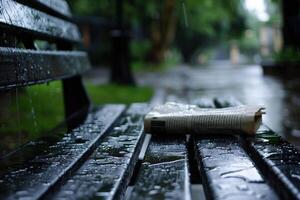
point(258, 7)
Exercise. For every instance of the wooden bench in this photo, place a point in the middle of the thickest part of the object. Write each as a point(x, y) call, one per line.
point(22, 64)
point(101, 156)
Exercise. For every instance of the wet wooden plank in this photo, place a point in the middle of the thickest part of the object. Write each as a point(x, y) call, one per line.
point(20, 67)
point(106, 174)
point(19, 18)
point(55, 7)
point(164, 171)
point(227, 170)
point(278, 160)
point(56, 159)
point(60, 6)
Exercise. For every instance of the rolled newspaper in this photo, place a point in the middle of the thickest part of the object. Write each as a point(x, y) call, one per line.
point(176, 118)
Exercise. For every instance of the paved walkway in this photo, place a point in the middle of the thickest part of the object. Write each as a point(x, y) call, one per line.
point(246, 83)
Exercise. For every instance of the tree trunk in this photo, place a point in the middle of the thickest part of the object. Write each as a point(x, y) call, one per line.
point(163, 31)
point(120, 62)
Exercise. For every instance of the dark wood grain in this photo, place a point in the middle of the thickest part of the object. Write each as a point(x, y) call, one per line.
point(227, 170)
point(20, 67)
point(57, 8)
point(18, 18)
point(164, 171)
point(56, 158)
point(277, 159)
point(106, 174)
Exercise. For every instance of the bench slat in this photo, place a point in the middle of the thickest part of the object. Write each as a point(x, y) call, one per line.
point(19, 67)
point(164, 171)
point(60, 7)
point(34, 177)
point(20, 18)
point(227, 171)
point(107, 172)
point(279, 161)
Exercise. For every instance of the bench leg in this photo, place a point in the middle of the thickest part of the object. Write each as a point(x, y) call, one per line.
point(76, 101)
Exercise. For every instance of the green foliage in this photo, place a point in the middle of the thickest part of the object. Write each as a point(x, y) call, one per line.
point(28, 112)
point(210, 21)
point(209, 17)
point(112, 93)
point(204, 16)
point(274, 11)
point(135, 12)
point(139, 49)
point(31, 106)
point(289, 55)
point(249, 44)
point(103, 8)
point(38, 109)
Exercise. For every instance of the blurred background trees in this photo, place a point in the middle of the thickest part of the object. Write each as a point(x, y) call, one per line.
point(210, 22)
point(184, 30)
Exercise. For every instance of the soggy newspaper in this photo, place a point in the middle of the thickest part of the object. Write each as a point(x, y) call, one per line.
point(176, 118)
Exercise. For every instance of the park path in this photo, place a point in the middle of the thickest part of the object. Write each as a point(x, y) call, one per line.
point(246, 83)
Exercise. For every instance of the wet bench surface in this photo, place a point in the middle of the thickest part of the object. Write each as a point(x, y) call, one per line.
point(277, 159)
point(107, 171)
point(100, 159)
point(228, 172)
point(100, 154)
point(53, 162)
point(164, 171)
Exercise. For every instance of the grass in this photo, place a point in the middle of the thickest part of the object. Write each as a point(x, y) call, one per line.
point(34, 109)
point(27, 113)
point(37, 109)
point(112, 93)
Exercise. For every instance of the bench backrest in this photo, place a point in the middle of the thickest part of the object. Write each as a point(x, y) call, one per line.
point(22, 23)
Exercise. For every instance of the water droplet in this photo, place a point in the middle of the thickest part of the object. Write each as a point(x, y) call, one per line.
point(243, 187)
point(153, 192)
point(296, 176)
point(79, 139)
point(157, 187)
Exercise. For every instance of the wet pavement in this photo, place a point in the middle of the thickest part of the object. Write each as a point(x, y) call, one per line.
point(246, 83)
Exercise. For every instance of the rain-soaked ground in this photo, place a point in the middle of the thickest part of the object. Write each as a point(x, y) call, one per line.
point(246, 83)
